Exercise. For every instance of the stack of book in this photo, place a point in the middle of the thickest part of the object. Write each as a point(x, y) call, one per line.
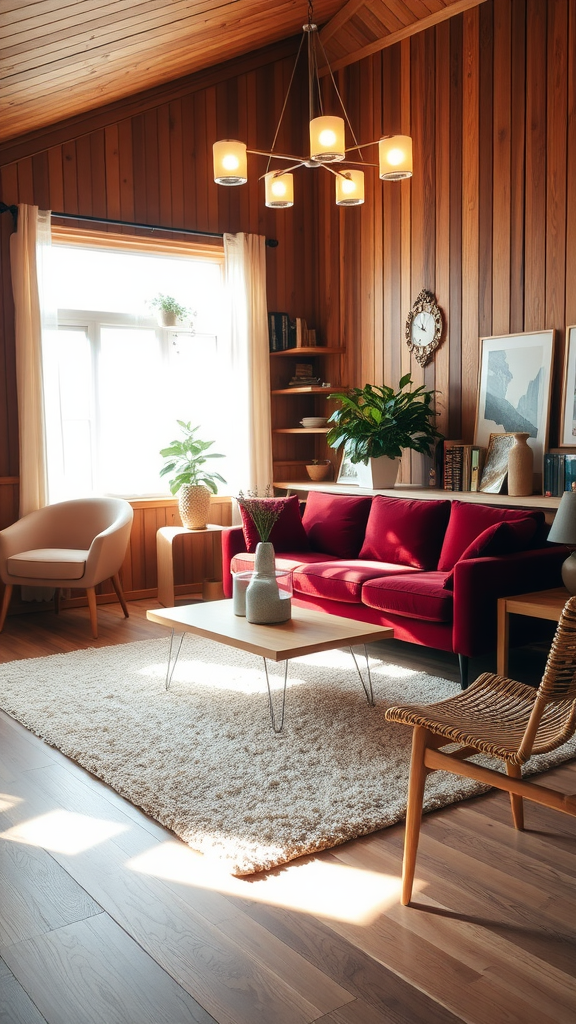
point(304, 377)
point(559, 473)
point(463, 464)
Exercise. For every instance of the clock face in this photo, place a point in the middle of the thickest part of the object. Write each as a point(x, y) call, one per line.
point(423, 329)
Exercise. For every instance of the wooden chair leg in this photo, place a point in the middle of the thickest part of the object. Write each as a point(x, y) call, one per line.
point(516, 802)
point(91, 594)
point(418, 773)
point(119, 594)
point(5, 603)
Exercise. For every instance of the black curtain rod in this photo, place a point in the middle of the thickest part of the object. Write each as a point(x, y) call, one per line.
point(272, 242)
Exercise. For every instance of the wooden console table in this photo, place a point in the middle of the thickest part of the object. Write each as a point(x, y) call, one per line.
point(542, 604)
point(206, 550)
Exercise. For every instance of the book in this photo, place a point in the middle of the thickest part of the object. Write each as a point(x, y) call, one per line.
point(301, 332)
point(477, 457)
point(278, 331)
point(448, 475)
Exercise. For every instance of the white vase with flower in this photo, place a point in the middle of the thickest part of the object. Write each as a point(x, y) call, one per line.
point(266, 602)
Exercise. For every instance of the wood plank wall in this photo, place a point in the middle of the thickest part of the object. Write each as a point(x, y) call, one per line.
point(487, 222)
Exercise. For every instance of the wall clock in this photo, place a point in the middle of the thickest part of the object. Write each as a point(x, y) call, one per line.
point(424, 325)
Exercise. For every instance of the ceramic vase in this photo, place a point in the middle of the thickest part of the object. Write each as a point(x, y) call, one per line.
point(520, 467)
point(265, 602)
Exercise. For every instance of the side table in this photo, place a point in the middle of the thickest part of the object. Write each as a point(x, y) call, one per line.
point(205, 549)
point(542, 604)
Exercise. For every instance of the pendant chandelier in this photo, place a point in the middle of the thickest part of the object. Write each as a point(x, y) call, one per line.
point(327, 144)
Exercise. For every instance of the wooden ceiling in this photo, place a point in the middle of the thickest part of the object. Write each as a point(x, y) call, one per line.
point(61, 58)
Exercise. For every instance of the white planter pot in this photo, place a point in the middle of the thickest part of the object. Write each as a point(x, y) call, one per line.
point(380, 474)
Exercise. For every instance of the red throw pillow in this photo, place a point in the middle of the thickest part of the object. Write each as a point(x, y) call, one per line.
point(335, 523)
point(467, 521)
point(405, 532)
point(498, 539)
point(288, 533)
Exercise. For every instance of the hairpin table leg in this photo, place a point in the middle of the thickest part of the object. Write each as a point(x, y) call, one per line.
point(172, 664)
point(276, 727)
point(366, 686)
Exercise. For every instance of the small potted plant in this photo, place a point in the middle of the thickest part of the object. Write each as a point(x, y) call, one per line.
point(376, 424)
point(168, 310)
point(319, 469)
point(191, 482)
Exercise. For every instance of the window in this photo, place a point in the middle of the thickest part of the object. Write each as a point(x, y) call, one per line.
point(115, 382)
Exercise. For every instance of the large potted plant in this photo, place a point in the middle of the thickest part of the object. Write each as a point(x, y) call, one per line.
point(374, 425)
point(193, 484)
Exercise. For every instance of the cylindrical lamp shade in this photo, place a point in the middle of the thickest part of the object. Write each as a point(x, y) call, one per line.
point(350, 188)
point(279, 189)
point(395, 157)
point(230, 162)
point(563, 531)
point(327, 139)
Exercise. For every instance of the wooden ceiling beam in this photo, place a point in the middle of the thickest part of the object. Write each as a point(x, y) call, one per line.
point(350, 9)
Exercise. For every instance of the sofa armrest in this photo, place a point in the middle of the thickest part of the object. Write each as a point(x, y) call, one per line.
point(479, 582)
point(232, 544)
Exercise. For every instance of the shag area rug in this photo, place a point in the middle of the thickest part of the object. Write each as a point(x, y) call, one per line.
point(202, 759)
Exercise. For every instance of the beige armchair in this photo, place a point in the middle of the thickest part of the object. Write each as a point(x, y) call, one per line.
point(73, 544)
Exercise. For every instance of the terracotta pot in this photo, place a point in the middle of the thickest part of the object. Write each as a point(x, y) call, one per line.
point(319, 470)
point(167, 319)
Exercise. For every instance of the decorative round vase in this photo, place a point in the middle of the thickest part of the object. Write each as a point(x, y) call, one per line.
point(266, 601)
point(194, 506)
point(520, 467)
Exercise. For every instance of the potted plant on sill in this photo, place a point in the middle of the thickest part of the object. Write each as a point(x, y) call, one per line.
point(193, 484)
point(374, 425)
point(168, 310)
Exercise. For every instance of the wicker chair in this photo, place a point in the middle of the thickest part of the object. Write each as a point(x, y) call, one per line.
point(499, 717)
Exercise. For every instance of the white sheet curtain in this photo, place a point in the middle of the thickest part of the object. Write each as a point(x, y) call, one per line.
point(250, 421)
point(27, 256)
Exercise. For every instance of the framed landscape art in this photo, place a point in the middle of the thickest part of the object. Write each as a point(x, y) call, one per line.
point(568, 414)
point(514, 389)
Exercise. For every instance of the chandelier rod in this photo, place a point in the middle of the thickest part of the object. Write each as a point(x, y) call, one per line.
point(269, 155)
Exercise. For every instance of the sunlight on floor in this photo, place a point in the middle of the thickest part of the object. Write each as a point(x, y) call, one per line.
point(248, 680)
point(7, 801)
point(63, 832)
point(332, 891)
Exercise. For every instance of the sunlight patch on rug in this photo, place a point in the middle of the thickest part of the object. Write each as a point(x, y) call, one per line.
point(201, 758)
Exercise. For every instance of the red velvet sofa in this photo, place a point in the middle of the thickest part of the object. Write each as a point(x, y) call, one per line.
point(431, 569)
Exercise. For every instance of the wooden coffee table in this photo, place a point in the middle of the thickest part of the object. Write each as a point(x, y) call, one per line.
point(307, 632)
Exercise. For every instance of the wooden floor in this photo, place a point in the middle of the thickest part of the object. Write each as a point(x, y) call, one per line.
point(106, 918)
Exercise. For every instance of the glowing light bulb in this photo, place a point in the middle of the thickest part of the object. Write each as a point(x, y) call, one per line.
point(230, 162)
point(327, 137)
point(278, 188)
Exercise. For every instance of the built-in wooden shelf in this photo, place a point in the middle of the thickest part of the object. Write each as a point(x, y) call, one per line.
point(315, 390)
point(317, 350)
point(301, 430)
point(547, 504)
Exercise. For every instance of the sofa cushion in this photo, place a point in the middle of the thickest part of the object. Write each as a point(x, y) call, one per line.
point(419, 595)
point(467, 521)
point(48, 564)
point(335, 523)
point(244, 561)
point(405, 532)
point(288, 533)
point(498, 539)
point(340, 580)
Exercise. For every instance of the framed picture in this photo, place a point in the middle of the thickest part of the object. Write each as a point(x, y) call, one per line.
point(514, 389)
point(568, 415)
point(496, 463)
point(350, 473)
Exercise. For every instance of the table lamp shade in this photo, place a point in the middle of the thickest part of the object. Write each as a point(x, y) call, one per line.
point(563, 531)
